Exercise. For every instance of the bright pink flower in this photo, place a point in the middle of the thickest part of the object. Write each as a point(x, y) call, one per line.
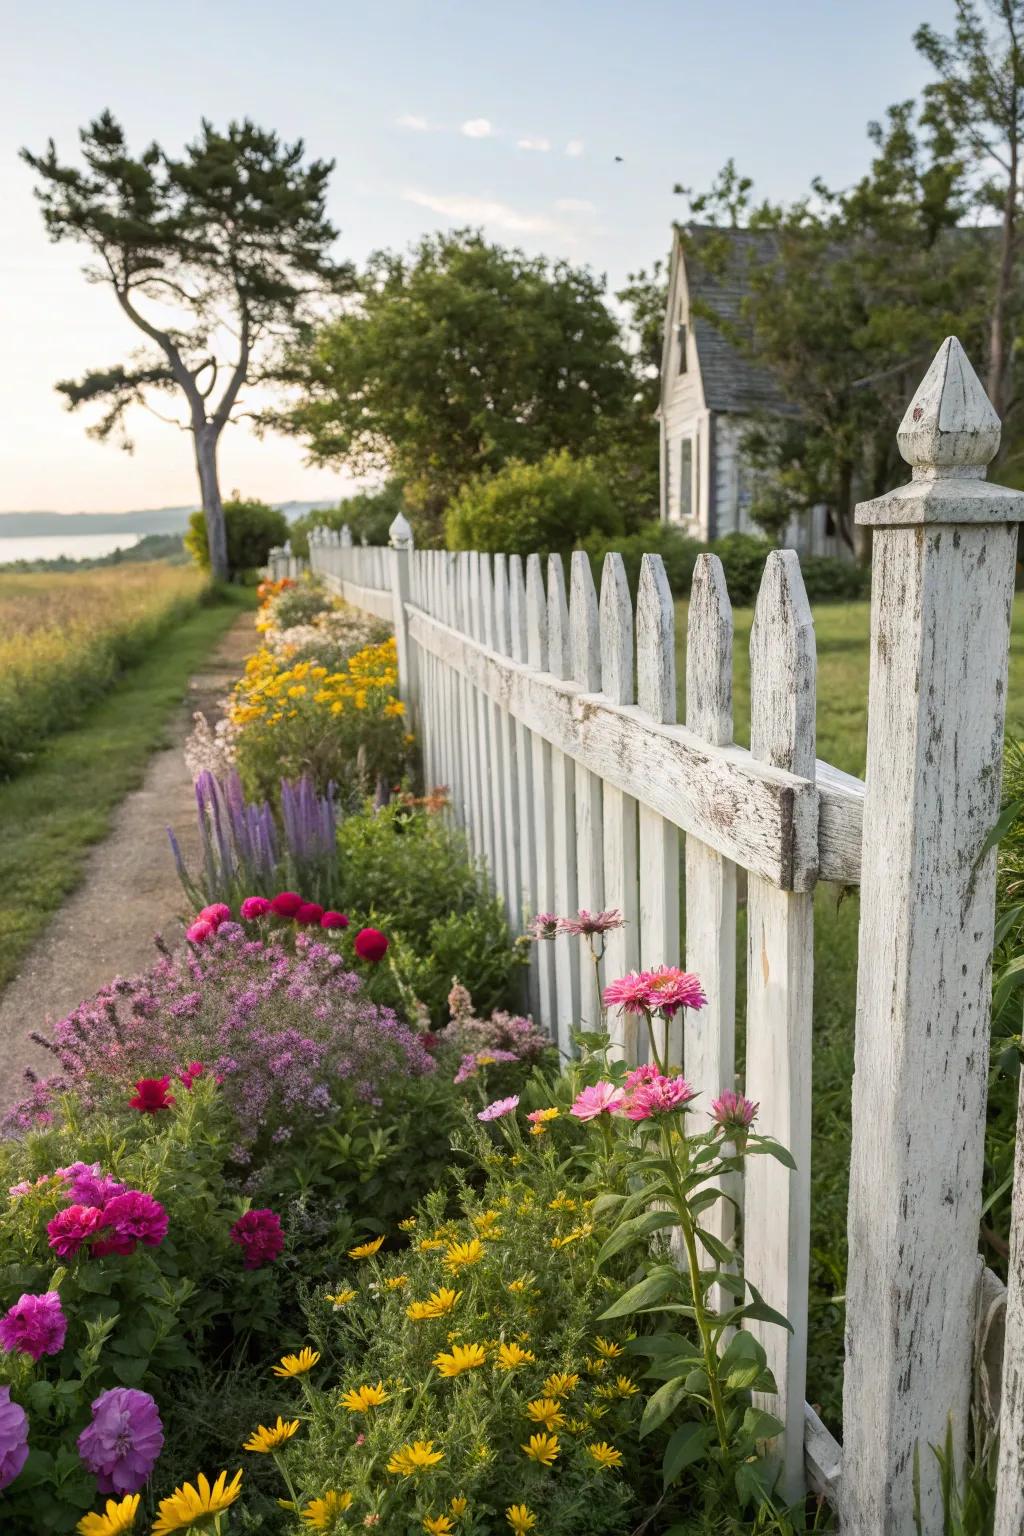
point(134, 1217)
point(669, 989)
point(34, 1326)
point(151, 1095)
point(254, 907)
point(334, 920)
point(201, 930)
point(309, 913)
point(371, 945)
point(733, 1112)
point(586, 923)
point(642, 1074)
point(188, 1075)
point(658, 1096)
point(219, 912)
point(544, 926)
point(259, 1235)
point(72, 1227)
point(286, 904)
point(499, 1108)
point(629, 992)
point(598, 1099)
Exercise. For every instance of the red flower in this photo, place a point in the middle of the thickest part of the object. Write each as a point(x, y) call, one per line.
point(216, 914)
point(200, 930)
point(334, 920)
point(72, 1227)
point(309, 913)
point(254, 907)
point(259, 1235)
point(371, 944)
point(151, 1094)
point(286, 904)
point(188, 1075)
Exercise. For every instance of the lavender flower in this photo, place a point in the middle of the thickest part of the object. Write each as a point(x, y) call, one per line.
point(124, 1440)
point(13, 1438)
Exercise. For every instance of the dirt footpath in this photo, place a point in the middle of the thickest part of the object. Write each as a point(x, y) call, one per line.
point(129, 890)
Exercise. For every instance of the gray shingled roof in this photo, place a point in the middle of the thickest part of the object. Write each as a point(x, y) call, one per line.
point(732, 381)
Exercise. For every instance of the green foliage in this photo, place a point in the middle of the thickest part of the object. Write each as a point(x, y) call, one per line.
point(527, 508)
point(652, 538)
point(253, 530)
point(369, 514)
point(743, 557)
point(458, 358)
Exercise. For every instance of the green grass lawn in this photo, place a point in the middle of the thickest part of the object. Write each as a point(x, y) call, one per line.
point(54, 811)
point(842, 631)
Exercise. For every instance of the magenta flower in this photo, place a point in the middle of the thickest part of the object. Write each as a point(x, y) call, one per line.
point(258, 1234)
point(91, 1187)
point(309, 914)
point(188, 1075)
point(151, 1095)
point(669, 989)
point(124, 1440)
point(34, 1326)
point(216, 914)
point(133, 1217)
point(286, 904)
point(254, 907)
point(629, 992)
point(499, 1108)
point(72, 1227)
point(599, 1099)
point(733, 1112)
point(334, 920)
point(200, 930)
point(658, 1095)
point(13, 1438)
point(586, 923)
point(543, 926)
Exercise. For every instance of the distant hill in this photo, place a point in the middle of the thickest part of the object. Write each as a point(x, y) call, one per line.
point(21, 525)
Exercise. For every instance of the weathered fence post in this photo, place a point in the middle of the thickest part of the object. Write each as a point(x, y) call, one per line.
point(400, 554)
point(943, 559)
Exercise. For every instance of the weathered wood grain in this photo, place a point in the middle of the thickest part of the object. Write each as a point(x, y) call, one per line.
point(619, 809)
point(1009, 1519)
point(563, 811)
point(585, 656)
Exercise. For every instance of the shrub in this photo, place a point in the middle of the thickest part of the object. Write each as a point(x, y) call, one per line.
point(743, 557)
point(369, 514)
point(252, 527)
point(524, 508)
point(652, 538)
point(285, 604)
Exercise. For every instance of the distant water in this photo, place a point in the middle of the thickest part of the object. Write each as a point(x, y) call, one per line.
point(74, 546)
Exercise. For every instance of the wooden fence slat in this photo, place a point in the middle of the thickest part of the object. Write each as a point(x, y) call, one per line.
point(528, 890)
point(467, 713)
point(543, 793)
point(659, 839)
point(621, 879)
point(585, 652)
point(1009, 1519)
point(563, 787)
point(780, 979)
point(492, 782)
point(478, 629)
point(508, 799)
point(455, 744)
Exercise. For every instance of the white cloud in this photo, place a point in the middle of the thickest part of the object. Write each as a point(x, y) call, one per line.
point(541, 145)
point(574, 148)
point(481, 210)
point(478, 128)
point(575, 205)
point(414, 121)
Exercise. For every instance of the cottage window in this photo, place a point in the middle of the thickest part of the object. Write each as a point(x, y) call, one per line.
point(686, 477)
point(681, 343)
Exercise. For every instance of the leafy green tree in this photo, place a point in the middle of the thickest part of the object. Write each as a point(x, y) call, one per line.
point(253, 529)
point(214, 257)
point(458, 358)
point(526, 508)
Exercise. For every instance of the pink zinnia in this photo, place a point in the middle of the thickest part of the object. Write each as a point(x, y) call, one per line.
point(134, 1217)
point(371, 945)
point(733, 1112)
point(151, 1095)
point(258, 1234)
point(334, 920)
point(219, 912)
point(599, 1099)
point(499, 1108)
point(34, 1326)
point(544, 925)
point(309, 913)
point(188, 1075)
point(286, 903)
point(669, 989)
point(629, 992)
point(586, 923)
point(201, 930)
point(72, 1227)
point(658, 1096)
point(254, 907)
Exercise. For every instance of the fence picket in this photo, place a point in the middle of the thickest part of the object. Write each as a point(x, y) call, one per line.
point(528, 890)
point(621, 879)
point(1009, 1519)
point(659, 839)
point(585, 650)
point(780, 979)
point(563, 789)
point(508, 799)
point(467, 713)
point(543, 792)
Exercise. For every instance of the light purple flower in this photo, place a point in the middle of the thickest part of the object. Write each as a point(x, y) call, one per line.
point(499, 1108)
point(34, 1326)
point(13, 1438)
point(124, 1440)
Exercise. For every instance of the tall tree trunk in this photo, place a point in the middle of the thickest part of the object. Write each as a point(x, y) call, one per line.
point(206, 437)
point(996, 380)
point(844, 504)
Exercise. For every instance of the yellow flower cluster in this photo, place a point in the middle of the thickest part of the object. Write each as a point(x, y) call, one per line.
point(271, 691)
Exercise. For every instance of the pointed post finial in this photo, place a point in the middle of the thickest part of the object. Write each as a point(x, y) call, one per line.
point(950, 426)
point(400, 532)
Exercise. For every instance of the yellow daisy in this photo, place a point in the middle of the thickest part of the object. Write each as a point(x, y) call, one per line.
point(397, 1282)
point(407, 1225)
point(521, 1519)
point(560, 1384)
point(341, 1298)
point(438, 1525)
point(190, 1503)
point(264, 1439)
point(607, 1348)
point(429, 1244)
point(297, 1365)
point(413, 1458)
point(116, 1518)
point(437, 1305)
point(362, 1398)
point(542, 1449)
point(366, 1250)
point(321, 1513)
point(605, 1455)
point(545, 1411)
point(459, 1505)
point(511, 1355)
point(486, 1224)
point(464, 1357)
point(462, 1255)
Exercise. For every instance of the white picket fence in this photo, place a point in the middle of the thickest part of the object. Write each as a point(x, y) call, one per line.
point(550, 715)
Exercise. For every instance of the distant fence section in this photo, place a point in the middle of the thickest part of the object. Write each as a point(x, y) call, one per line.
point(548, 709)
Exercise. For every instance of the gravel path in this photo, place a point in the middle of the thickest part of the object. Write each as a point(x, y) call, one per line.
point(129, 891)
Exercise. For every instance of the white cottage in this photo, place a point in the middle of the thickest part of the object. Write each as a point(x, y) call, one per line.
point(710, 391)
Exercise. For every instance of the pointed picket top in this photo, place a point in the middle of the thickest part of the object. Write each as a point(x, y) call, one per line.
point(709, 654)
point(558, 619)
point(783, 663)
point(516, 608)
point(584, 627)
point(616, 632)
point(950, 424)
point(536, 615)
point(346, 536)
point(655, 642)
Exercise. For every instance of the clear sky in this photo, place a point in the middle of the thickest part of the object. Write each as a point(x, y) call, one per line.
point(439, 113)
